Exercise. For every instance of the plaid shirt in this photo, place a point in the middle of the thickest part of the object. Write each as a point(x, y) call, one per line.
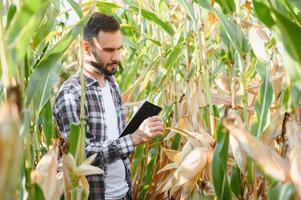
point(66, 111)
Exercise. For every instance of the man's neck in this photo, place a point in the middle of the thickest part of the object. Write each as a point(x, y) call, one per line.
point(91, 72)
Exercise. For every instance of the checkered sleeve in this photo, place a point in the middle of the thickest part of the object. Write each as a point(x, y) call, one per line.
point(66, 110)
point(110, 150)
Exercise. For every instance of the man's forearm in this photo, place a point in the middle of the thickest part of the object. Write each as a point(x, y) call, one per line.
point(111, 150)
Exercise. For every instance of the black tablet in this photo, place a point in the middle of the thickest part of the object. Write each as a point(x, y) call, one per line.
point(147, 109)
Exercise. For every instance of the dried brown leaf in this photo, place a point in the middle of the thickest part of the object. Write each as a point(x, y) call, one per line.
point(274, 128)
point(253, 88)
point(270, 162)
point(222, 99)
point(258, 44)
point(293, 129)
point(276, 79)
point(295, 170)
point(195, 100)
point(168, 167)
point(74, 177)
point(222, 82)
point(239, 156)
point(200, 139)
point(45, 173)
point(191, 165)
point(172, 155)
point(59, 190)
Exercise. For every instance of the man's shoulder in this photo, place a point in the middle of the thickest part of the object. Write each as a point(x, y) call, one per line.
point(69, 87)
point(72, 84)
point(69, 90)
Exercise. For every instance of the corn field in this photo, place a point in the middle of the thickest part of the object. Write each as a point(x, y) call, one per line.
point(227, 74)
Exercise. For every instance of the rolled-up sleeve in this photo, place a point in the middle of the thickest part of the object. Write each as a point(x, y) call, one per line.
point(110, 150)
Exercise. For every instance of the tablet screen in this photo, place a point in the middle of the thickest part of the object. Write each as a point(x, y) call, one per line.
point(147, 109)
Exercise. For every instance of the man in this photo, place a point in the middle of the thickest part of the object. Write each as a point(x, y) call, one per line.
point(104, 111)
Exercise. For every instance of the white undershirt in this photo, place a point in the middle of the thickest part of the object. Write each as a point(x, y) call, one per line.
point(116, 185)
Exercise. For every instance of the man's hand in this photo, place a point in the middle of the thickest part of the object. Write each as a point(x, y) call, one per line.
point(150, 128)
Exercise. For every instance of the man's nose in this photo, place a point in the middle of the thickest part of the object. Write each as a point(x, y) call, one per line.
point(116, 55)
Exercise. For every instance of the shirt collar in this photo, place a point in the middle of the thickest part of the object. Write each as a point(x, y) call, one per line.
point(89, 81)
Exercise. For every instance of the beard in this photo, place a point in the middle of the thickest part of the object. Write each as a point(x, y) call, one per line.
point(102, 68)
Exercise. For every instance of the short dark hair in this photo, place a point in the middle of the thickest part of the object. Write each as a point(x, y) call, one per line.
point(100, 22)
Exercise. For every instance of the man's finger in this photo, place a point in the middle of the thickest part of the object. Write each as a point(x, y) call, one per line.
point(157, 128)
point(156, 123)
point(154, 118)
point(157, 133)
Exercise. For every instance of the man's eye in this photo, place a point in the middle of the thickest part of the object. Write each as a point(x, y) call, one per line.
point(109, 50)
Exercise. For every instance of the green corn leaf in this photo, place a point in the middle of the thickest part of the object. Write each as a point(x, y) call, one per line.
point(80, 151)
point(44, 28)
point(76, 7)
point(288, 33)
point(45, 76)
point(173, 56)
point(105, 6)
point(219, 165)
point(263, 100)
point(250, 166)
point(152, 17)
point(78, 193)
point(137, 158)
point(171, 60)
point(236, 182)
point(1, 92)
point(263, 12)
point(291, 32)
point(233, 31)
point(30, 10)
point(132, 72)
point(224, 37)
point(47, 122)
point(281, 191)
point(36, 192)
point(26, 117)
point(293, 12)
point(167, 112)
point(147, 177)
point(26, 21)
point(176, 141)
point(74, 139)
point(296, 3)
point(228, 6)
point(127, 42)
point(11, 12)
point(189, 9)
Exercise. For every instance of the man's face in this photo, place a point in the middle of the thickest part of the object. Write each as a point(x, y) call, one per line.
point(106, 52)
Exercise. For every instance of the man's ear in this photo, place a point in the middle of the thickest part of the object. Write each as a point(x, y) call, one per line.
point(87, 47)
